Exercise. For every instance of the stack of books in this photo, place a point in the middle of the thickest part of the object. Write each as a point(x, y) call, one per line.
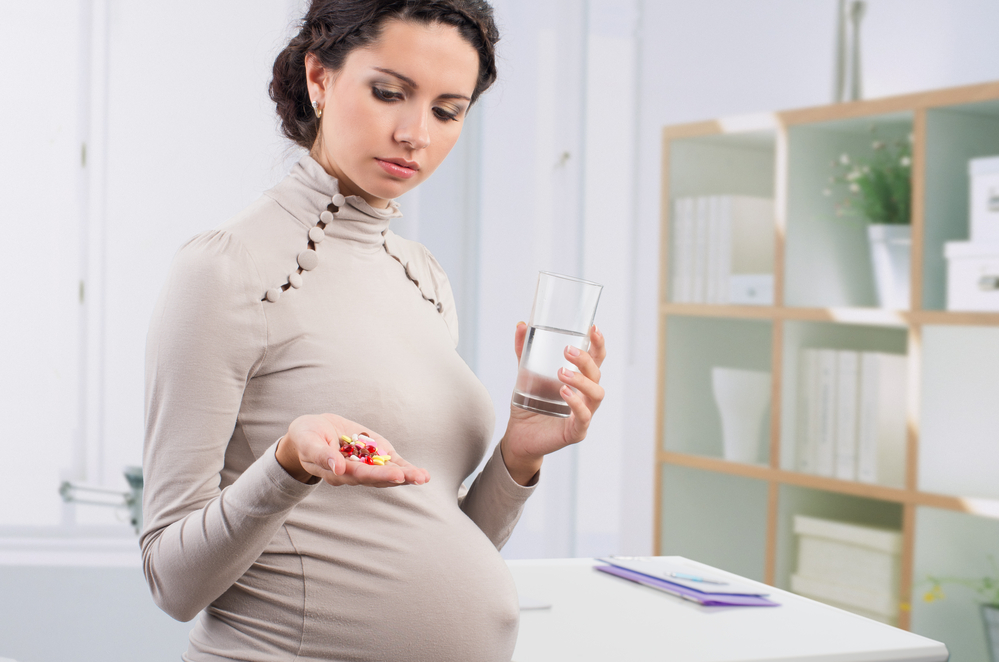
point(849, 566)
point(723, 250)
point(851, 416)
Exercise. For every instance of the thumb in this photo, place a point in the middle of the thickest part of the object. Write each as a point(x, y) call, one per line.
point(518, 339)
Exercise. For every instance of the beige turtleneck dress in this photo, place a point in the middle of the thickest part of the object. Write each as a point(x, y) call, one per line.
point(250, 333)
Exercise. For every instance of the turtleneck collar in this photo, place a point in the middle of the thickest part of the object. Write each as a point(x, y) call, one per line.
point(308, 189)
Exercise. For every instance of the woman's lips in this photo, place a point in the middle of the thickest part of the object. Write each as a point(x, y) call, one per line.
point(398, 168)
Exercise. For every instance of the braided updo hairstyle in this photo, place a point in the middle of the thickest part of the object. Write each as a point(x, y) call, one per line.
point(332, 29)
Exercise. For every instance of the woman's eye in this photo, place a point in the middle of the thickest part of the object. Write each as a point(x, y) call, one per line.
point(385, 95)
point(445, 115)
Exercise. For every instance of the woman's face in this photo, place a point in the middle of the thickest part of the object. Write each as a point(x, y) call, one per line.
point(395, 109)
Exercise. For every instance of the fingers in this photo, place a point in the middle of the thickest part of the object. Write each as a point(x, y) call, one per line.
point(592, 392)
point(582, 414)
point(598, 346)
point(518, 339)
point(319, 448)
point(584, 361)
point(585, 395)
point(414, 475)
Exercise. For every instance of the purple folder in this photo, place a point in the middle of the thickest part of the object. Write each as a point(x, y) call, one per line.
point(707, 599)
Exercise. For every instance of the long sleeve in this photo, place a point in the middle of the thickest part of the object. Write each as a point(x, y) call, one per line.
point(207, 337)
point(495, 500)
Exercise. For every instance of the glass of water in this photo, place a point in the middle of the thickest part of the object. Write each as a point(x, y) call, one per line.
point(564, 308)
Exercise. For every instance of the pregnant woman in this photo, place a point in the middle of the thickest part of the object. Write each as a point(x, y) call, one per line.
point(305, 319)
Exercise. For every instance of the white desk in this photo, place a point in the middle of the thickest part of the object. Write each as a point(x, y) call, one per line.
point(595, 616)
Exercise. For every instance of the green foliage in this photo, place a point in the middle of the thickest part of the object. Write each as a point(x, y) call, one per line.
point(878, 188)
point(987, 587)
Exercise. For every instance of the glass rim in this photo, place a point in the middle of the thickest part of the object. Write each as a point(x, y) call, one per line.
point(572, 278)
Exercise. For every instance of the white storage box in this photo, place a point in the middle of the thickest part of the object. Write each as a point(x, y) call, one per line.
point(984, 174)
point(972, 275)
point(849, 566)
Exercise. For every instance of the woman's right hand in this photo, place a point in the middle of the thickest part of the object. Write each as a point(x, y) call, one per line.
point(312, 448)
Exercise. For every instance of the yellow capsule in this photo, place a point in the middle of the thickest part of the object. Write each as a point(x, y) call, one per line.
point(344, 438)
point(378, 460)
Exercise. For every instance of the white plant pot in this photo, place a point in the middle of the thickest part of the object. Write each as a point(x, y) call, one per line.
point(742, 397)
point(990, 618)
point(891, 248)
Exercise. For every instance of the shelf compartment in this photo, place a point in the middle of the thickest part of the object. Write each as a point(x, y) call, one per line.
point(800, 335)
point(794, 500)
point(715, 518)
point(723, 164)
point(958, 450)
point(951, 544)
point(954, 135)
point(827, 258)
point(719, 164)
point(694, 346)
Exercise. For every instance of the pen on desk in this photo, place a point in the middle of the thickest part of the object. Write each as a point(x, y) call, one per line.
point(694, 578)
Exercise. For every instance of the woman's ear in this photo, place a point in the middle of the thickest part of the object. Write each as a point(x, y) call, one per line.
point(317, 78)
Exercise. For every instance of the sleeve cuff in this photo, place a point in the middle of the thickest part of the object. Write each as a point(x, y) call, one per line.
point(265, 488)
point(496, 465)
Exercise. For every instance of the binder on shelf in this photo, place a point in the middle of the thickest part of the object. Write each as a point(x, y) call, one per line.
point(847, 375)
point(698, 276)
point(825, 448)
point(808, 410)
point(683, 243)
point(882, 419)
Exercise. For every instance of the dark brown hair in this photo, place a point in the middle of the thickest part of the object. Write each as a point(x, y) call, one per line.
point(332, 29)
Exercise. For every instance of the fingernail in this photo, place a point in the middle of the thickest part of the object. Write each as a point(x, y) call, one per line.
point(565, 391)
point(596, 330)
point(573, 351)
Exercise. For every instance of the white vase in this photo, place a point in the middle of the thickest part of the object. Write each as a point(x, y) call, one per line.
point(891, 247)
point(742, 397)
point(990, 618)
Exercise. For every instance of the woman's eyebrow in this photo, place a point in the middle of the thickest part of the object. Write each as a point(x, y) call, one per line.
point(412, 83)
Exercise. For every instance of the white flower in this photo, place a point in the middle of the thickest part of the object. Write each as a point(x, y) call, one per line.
point(905, 161)
point(844, 159)
point(826, 192)
point(853, 175)
point(854, 188)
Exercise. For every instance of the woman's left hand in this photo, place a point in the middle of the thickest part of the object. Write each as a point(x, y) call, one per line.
point(530, 436)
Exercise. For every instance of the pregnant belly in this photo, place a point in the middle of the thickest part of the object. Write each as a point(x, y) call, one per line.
point(435, 590)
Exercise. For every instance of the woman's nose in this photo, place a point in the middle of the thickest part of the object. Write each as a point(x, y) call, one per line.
point(414, 130)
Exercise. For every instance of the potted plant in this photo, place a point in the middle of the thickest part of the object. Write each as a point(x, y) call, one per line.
point(878, 190)
point(987, 590)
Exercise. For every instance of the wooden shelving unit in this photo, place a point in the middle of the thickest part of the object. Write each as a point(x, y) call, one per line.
point(823, 291)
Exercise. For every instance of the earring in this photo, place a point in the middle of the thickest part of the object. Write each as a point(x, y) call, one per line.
point(317, 109)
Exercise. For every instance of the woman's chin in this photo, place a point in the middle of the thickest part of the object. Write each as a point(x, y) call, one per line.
point(386, 190)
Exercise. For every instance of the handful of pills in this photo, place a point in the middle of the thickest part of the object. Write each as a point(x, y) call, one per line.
point(360, 448)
